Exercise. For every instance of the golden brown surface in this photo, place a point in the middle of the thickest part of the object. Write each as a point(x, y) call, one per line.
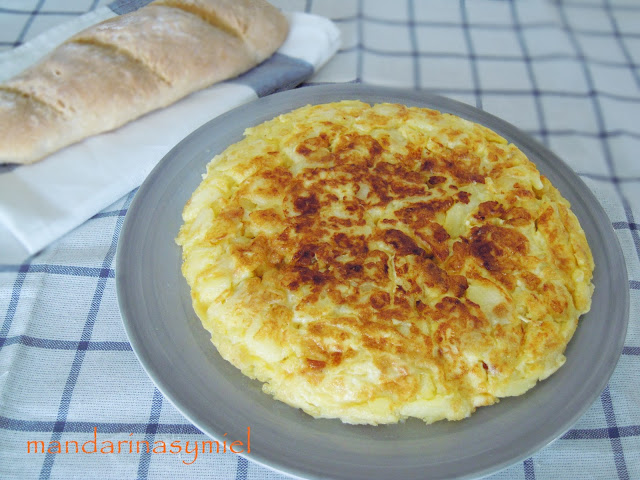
point(378, 263)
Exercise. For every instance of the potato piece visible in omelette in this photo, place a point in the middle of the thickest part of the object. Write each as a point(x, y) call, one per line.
point(374, 263)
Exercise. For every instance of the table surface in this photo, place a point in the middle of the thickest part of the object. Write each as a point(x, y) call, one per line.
point(566, 72)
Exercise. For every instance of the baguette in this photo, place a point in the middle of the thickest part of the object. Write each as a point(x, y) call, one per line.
point(124, 67)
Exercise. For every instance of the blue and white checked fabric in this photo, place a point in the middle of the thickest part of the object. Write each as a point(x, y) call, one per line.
point(566, 72)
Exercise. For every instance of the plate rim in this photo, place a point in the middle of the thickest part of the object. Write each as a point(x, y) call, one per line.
point(363, 90)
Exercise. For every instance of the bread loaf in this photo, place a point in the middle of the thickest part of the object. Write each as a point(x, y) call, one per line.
point(122, 68)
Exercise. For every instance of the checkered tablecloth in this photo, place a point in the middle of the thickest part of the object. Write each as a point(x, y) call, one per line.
point(566, 72)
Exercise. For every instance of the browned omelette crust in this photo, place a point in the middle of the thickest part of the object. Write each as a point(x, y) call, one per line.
point(376, 263)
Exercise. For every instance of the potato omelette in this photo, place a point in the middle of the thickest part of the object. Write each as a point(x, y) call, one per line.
point(378, 262)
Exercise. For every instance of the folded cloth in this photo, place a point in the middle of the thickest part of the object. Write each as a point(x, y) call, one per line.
point(41, 202)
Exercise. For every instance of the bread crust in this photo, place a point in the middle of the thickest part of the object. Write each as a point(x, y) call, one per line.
point(127, 66)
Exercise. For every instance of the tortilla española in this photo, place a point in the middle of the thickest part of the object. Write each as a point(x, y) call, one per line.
point(374, 263)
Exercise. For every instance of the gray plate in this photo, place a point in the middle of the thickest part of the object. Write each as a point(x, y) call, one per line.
point(177, 354)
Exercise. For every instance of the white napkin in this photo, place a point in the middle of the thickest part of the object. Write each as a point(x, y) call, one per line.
point(41, 202)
